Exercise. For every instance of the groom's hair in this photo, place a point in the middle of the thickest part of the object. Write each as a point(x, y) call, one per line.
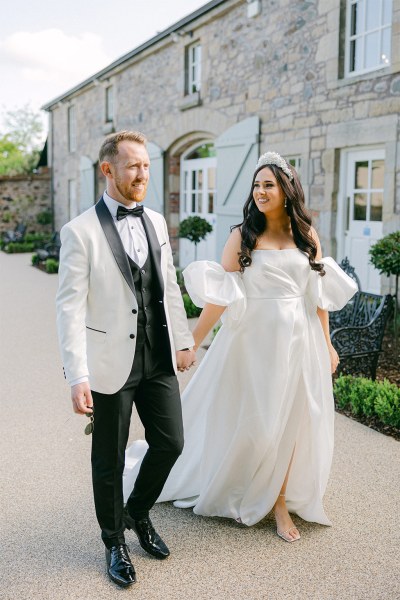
point(109, 148)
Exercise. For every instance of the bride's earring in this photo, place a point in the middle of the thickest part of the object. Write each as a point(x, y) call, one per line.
point(285, 202)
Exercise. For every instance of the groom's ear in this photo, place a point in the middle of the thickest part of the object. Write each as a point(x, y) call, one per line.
point(105, 167)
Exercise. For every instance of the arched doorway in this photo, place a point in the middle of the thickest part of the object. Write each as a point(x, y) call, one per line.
point(198, 198)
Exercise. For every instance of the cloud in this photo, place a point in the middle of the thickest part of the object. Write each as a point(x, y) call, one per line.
point(51, 55)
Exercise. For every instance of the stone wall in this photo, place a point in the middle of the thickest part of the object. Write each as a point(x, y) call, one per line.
point(286, 66)
point(22, 198)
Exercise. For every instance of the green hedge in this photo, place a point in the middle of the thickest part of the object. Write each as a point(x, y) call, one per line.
point(16, 247)
point(51, 265)
point(191, 309)
point(363, 396)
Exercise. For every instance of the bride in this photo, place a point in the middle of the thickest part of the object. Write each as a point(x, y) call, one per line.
point(258, 413)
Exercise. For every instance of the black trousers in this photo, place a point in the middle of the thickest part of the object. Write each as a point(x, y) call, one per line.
point(153, 386)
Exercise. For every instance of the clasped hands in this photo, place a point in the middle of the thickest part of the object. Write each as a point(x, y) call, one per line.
point(185, 359)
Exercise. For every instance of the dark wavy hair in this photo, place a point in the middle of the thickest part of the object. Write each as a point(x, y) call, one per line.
point(254, 221)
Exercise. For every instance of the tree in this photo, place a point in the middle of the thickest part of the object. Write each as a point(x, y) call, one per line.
point(21, 141)
point(385, 256)
point(194, 229)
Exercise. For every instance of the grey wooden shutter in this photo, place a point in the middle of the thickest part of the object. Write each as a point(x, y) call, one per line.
point(155, 190)
point(87, 184)
point(237, 154)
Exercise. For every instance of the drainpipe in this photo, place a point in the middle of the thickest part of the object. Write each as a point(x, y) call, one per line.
point(52, 170)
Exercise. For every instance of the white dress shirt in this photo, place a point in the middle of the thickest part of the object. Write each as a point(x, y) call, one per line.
point(134, 241)
point(131, 231)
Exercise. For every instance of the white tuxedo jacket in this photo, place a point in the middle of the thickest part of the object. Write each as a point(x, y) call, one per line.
point(96, 297)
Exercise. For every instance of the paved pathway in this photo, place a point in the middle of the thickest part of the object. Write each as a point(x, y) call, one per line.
point(50, 547)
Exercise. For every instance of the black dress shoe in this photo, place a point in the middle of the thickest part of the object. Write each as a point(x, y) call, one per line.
point(148, 537)
point(119, 566)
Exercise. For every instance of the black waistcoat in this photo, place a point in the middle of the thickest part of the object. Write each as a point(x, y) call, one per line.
point(151, 323)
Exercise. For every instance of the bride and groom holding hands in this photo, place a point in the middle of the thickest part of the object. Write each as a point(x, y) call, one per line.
point(258, 414)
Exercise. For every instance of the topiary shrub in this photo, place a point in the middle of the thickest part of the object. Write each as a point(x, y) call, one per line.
point(191, 309)
point(194, 229)
point(385, 256)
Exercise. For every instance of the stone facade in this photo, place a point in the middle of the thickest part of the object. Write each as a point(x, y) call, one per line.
point(285, 66)
point(22, 199)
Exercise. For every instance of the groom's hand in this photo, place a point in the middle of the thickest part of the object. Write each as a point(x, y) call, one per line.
point(185, 359)
point(82, 401)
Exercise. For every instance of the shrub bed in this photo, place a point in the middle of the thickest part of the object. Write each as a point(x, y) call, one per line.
point(18, 247)
point(363, 397)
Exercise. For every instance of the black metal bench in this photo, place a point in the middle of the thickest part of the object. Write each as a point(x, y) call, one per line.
point(51, 249)
point(15, 235)
point(357, 332)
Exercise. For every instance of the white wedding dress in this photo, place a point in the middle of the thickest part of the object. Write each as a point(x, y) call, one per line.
point(262, 391)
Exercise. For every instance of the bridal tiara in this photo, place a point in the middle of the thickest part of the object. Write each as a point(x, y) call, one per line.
point(273, 158)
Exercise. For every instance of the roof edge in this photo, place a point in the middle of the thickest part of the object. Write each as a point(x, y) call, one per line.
point(125, 57)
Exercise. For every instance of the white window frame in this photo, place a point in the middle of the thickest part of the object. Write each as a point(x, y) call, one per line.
point(72, 128)
point(362, 35)
point(193, 62)
point(109, 99)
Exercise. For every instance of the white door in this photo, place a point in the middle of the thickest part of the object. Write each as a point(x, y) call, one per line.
point(198, 190)
point(365, 181)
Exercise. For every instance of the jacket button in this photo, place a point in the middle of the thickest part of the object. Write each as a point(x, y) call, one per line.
point(143, 271)
point(132, 336)
point(134, 311)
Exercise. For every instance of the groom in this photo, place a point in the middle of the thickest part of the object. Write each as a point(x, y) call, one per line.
point(123, 333)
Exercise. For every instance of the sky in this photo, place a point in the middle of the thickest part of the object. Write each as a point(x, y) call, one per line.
point(48, 46)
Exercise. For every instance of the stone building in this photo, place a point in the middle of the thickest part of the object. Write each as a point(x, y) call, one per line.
point(315, 80)
point(24, 199)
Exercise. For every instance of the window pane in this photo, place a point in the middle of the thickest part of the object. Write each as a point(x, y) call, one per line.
point(386, 42)
point(194, 186)
point(360, 207)
point(211, 178)
point(203, 151)
point(357, 18)
point(372, 49)
point(376, 206)
point(378, 172)
point(200, 179)
point(373, 16)
point(387, 12)
point(210, 202)
point(361, 175)
point(356, 56)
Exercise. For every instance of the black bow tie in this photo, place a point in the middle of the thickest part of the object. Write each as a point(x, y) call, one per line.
point(123, 212)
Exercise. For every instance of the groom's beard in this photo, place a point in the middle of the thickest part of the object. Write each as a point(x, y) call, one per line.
point(132, 192)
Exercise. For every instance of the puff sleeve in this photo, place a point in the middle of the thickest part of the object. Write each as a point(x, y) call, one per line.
point(207, 281)
point(333, 290)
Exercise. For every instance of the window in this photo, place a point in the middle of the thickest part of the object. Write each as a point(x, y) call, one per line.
point(71, 129)
point(199, 181)
point(72, 200)
point(109, 104)
point(368, 38)
point(295, 161)
point(193, 69)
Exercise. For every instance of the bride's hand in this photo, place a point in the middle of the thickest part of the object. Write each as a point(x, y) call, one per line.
point(334, 357)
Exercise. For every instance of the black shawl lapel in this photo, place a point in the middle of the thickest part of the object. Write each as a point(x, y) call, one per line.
point(114, 241)
point(154, 249)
